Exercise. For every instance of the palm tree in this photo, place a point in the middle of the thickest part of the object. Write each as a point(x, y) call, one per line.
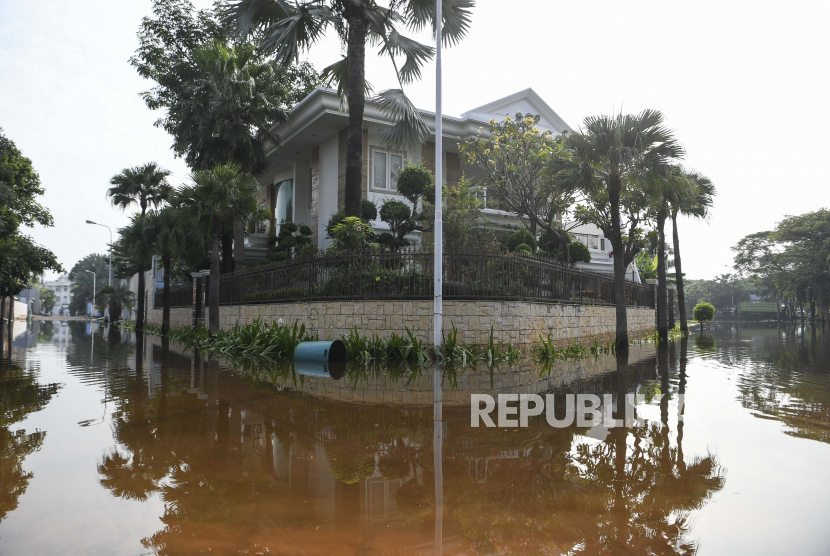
point(132, 254)
point(165, 231)
point(696, 203)
point(610, 158)
point(665, 184)
point(287, 29)
point(144, 185)
point(217, 197)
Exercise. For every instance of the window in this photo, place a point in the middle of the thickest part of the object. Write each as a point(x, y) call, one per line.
point(284, 209)
point(385, 168)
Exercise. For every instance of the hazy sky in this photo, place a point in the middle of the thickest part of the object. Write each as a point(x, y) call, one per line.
point(745, 85)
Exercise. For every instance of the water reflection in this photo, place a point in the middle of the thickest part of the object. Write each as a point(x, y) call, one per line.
point(253, 460)
point(20, 395)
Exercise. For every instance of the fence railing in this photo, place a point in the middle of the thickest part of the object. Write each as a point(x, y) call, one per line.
point(409, 275)
point(180, 296)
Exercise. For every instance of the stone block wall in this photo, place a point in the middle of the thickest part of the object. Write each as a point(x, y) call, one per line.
point(180, 317)
point(516, 322)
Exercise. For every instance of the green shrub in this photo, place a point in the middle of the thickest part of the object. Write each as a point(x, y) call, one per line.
point(703, 312)
point(578, 253)
point(415, 181)
point(521, 237)
point(368, 212)
point(523, 248)
point(399, 217)
point(353, 234)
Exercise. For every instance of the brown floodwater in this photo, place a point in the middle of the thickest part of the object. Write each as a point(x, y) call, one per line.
point(113, 445)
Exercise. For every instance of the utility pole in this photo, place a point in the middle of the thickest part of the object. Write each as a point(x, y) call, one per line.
point(438, 307)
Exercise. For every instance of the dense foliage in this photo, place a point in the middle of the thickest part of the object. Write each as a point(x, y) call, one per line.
point(791, 263)
point(21, 259)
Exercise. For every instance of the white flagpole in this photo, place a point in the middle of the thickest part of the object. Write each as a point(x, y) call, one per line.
point(438, 309)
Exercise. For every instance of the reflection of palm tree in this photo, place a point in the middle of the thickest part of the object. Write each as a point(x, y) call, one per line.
point(126, 477)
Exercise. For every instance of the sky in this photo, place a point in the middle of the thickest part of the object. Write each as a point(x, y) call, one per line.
point(744, 86)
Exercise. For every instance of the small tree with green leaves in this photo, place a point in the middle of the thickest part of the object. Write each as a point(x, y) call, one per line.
point(703, 312)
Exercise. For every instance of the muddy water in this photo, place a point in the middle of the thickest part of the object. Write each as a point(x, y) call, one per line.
point(113, 445)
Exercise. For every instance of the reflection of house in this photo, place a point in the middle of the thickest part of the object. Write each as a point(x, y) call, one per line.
point(307, 176)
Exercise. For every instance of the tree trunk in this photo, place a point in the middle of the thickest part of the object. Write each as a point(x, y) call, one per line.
point(227, 251)
point(2, 310)
point(139, 302)
point(812, 309)
point(621, 339)
point(213, 293)
point(678, 275)
point(356, 55)
point(662, 291)
point(165, 296)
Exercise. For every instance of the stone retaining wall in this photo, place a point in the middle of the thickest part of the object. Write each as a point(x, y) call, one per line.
point(180, 317)
point(516, 322)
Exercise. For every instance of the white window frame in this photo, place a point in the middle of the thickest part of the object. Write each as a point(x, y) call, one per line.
point(384, 188)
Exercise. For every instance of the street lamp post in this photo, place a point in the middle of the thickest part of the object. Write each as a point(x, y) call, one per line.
point(109, 282)
point(93, 290)
point(438, 306)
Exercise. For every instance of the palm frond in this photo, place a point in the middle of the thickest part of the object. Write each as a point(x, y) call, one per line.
point(285, 29)
point(456, 16)
point(417, 54)
point(338, 73)
point(409, 129)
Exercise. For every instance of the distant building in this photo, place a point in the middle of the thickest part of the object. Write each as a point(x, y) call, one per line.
point(63, 293)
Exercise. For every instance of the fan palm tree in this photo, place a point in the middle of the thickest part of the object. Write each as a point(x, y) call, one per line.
point(217, 197)
point(286, 29)
point(145, 186)
point(610, 157)
point(665, 184)
point(133, 254)
point(165, 231)
point(696, 201)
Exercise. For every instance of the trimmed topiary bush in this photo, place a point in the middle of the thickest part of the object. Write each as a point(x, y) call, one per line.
point(521, 237)
point(703, 312)
point(578, 253)
point(414, 180)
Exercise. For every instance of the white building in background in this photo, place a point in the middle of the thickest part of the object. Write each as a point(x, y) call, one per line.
point(63, 293)
point(306, 179)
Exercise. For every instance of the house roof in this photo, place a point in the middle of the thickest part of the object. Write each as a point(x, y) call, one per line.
point(320, 112)
point(528, 98)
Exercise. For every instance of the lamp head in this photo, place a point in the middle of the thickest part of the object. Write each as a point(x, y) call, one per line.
point(90, 222)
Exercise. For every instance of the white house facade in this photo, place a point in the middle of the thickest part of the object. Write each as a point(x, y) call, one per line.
point(62, 288)
point(306, 179)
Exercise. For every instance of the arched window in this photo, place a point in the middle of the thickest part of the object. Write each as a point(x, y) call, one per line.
point(284, 209)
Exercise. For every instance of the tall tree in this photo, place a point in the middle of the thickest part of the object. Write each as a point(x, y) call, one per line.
point(215, 198)
point(665, 183)
point(83, 285)
point(287, 29)
point(696, 203)
point(145, 186)
point(167, 233)
point(608, 159)
point(521, 165)
point(221, 97)
point(21, 259)
point(133, 254)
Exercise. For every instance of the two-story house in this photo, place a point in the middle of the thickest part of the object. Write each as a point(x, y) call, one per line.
point(306, 179)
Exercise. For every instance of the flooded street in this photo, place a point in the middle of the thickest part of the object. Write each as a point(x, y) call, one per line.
point(113, 445)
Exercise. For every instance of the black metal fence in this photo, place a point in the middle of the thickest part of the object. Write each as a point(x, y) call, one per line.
point(180, 296)
point(409, 275)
